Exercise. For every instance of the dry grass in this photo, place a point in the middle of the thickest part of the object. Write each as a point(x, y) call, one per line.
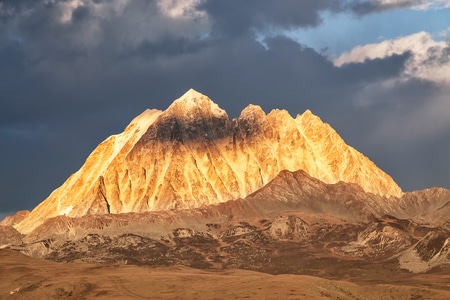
point(23, 277)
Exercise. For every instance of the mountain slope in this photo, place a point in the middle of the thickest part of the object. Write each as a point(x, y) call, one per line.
point(303, 193)
point(291, 223)
point(192, 154)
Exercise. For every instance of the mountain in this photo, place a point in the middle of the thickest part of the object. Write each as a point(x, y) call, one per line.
point(289, 193)
point(264, 192)
point(349, 201)
point(294, 224)
point(192, 155)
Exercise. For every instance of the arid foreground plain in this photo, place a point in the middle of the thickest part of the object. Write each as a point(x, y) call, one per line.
point(23, 277)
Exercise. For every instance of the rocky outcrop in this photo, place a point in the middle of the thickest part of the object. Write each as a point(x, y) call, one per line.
point(432, 251)
point(283, 244)
point(9, 236)
point(289, 228)
point(192, 154)
point(379, 240)
point(11, 220)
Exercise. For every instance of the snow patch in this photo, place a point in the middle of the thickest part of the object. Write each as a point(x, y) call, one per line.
point(66, 211)
point(193, 100)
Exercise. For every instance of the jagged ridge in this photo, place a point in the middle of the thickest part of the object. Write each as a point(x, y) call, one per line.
point(192, 154)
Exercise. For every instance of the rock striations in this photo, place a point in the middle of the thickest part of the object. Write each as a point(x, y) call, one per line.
point(192, 155)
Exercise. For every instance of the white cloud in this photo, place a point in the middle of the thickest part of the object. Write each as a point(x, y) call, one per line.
point(433, 4)
point(445, 34)
point(67, 8)
point(414, 4)
point(99, 9)
point(411, 113)
point(429, 60)
point(181, 8)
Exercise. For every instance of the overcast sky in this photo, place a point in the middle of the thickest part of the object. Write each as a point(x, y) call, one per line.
point(74, 72)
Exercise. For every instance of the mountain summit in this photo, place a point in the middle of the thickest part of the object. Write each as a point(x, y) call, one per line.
point(193, 105)
point(192, 154)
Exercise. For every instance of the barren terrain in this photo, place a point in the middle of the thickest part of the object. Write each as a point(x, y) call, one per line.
point(23, 277)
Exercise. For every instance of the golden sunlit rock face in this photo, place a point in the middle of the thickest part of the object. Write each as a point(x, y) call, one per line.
point(192, 154)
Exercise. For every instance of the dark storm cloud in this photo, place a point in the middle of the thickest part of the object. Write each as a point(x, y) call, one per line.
point(238, 17)
point(166, 47)
point(67, 85)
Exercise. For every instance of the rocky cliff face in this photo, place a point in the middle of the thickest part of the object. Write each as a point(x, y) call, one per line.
point(192, 154)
